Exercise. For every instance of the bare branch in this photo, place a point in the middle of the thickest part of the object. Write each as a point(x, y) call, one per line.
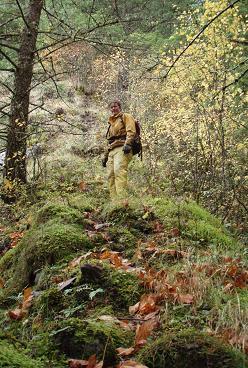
point(22, 14)
point(8, 58)
point(9, 47)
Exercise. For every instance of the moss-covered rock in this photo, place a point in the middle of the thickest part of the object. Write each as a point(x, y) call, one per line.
point(190, 349)
point(80, 339)
point(61, 212)
point(132, 218)
point(42, 245)
point(13, 358)
point(120, 288)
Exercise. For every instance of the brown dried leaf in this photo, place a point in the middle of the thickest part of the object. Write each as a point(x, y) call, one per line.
point(16, 314)
point(77, 363)
point(134, 308)
point(82, 186)
point(92, 361)
point(144, 330)
point(185, 298)
point(174, 232)
point(125, 351)
point(131, 364)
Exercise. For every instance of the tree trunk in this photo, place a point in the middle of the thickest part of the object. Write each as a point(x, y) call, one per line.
point(17, 138)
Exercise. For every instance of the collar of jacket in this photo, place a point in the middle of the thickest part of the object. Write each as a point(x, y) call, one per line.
point(114, 117)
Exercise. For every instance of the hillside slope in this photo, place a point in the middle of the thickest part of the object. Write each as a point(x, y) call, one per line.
point(86, 283)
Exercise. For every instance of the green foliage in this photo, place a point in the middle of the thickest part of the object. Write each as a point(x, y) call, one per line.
point(190, 349)
point(12, 357)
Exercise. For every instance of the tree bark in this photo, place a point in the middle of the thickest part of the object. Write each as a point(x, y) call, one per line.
point(17, 138)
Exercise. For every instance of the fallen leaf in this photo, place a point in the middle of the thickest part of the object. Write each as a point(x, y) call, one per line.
point(92, 361)
point(77, 363)
point(144, 330)
point(107, 318)
point(131, 364)
point(134, 308)
point(82, 186)
point(16, 314)
point(27, 299)
point(21, 312)
point(125, 351)
point(100, 226)
point(63, 285)
point(174, 232)
point(185, 298)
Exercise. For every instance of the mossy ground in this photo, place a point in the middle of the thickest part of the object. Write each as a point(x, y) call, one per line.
point(13, 357)
point(70, 217)
point(190, 349)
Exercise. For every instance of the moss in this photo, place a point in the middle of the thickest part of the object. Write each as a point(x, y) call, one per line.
point(200, 229)
point(195, 222)
point(13, 358)
point(123, 240)
point(50, 302)
point(123, 289)
point(200, 213)
point(80, 339)
point(130, 217)
point(82, 202)
point(61, 212)
point(190, 349)
point(44, 245)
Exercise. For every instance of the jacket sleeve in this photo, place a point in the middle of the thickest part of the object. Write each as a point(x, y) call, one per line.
point(130, 128)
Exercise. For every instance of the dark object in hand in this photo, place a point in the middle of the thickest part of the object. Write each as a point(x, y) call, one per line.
point(127, 148)
point(104, 162)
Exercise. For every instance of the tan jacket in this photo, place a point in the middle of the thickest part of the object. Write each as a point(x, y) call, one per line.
point(121, 125)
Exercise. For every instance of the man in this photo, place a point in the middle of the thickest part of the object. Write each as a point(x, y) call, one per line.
point(120, 136)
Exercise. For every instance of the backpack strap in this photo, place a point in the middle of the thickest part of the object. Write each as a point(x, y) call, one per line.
point(107, 132)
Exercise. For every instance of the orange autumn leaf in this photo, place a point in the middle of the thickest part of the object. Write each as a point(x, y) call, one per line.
point(82, 186)
point(148, 303)
point(116, 260)
point(15, 237)
point(92, 361)
point(16, 314)
point(1, 283)
point(21, 312)
point(144, 330)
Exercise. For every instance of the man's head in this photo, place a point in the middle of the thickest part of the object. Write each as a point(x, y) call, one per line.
point(115, 107)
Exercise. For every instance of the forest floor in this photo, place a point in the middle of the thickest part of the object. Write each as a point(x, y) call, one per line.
point(154, 281)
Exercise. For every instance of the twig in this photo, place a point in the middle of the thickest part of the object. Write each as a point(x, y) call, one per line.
point(199, 33)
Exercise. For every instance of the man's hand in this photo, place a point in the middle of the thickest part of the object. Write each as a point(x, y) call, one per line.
point(104, 161)
point(127, 148)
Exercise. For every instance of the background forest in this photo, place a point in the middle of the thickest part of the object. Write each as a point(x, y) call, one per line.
point(180, 68)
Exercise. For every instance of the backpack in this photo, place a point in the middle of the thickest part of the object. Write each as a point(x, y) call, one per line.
point(137, 145)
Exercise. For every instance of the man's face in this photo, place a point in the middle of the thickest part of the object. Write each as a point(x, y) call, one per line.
point(115, 108)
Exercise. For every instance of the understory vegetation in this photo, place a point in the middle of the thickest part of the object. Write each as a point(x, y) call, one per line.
point(158, 279)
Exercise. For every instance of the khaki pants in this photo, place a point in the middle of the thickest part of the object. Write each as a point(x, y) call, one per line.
point(117, 168)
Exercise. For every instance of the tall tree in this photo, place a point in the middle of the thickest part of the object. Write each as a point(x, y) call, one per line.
point(16, 137)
